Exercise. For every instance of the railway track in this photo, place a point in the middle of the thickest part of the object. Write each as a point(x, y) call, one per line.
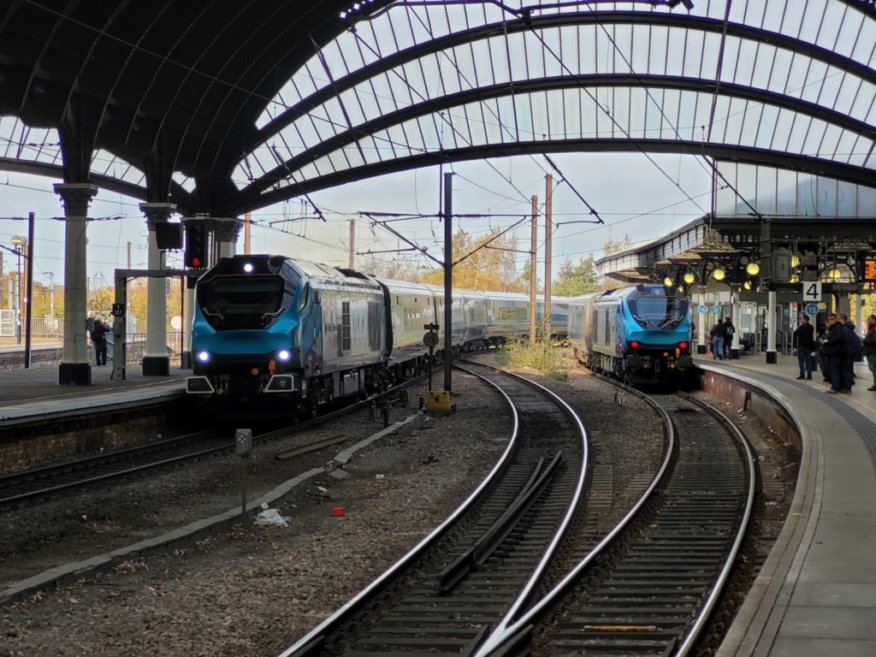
point(486, 561)
point(657, 582)
point(646, 585)
point(32, 484)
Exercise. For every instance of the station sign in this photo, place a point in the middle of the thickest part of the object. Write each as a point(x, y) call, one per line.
point(716, 309)
point(702, 309)
point(811, 309)
point(868, 270)
point(812, 291)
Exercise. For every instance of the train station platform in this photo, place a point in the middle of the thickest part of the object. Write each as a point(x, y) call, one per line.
point(26, 393)
point(816, 593)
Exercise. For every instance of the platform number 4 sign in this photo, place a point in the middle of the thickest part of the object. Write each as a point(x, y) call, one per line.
point(812, 291)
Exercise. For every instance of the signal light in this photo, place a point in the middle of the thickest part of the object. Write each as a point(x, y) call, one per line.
point(195, 255)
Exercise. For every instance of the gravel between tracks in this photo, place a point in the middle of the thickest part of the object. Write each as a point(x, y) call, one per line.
point(255, 591)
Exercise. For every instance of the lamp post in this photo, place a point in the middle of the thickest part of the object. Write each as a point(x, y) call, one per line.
point(19, 243)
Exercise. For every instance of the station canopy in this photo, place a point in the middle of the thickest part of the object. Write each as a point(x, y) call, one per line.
point(243, 104)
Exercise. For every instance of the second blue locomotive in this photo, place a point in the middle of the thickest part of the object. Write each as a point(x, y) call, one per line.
point(639, 334)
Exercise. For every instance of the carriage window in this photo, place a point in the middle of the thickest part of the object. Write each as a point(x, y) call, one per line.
point(345, 326)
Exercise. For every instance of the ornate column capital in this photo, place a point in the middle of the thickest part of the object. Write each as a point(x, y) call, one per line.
point(157, 212)
point(75, 197)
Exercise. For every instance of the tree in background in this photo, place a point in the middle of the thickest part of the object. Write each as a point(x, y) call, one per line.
point(484, 263)
point(574, 280)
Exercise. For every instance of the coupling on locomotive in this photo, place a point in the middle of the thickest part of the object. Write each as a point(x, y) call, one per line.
point(277, 331)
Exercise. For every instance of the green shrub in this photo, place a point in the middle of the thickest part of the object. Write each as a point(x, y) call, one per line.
point(539, 355)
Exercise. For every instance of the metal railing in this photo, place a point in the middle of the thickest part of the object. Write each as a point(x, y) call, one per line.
point(47, 350)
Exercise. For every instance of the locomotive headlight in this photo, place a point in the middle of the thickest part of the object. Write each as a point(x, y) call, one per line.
point(247, 267)
point(203, 356)
point(284, 355)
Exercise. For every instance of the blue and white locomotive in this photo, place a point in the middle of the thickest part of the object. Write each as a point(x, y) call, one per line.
point(271, 331)
point(269, 327)
point(639, 334)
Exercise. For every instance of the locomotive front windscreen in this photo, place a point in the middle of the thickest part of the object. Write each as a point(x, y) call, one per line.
point(243, 302)
point(658, 309)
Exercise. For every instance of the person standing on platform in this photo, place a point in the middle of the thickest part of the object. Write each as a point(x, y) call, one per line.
point(98, 338)
point(869, 348)
point(833, 349)
point(728, 331)
point(853, 352)
point(717, 334)
point(804, 342)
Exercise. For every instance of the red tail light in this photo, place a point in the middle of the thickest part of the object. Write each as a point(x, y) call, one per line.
point(634, 344)
point(682, 345)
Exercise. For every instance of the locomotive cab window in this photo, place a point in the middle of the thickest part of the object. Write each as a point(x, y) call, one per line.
point(658, 309)
point(244, 302)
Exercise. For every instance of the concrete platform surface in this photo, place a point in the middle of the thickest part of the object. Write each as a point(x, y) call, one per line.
point(28, 392)
point(816, 594)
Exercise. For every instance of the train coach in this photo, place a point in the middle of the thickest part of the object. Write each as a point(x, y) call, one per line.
point(639, 334)
point(287, 335)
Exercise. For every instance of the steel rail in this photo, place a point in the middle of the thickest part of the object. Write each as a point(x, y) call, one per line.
point(712, 600)
point(523, 599)
point(509, 634)
point(313, 639)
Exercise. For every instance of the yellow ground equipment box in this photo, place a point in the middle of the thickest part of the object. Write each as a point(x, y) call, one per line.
point(438, 401)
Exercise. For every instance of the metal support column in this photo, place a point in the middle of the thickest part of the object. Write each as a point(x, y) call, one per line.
point(75, 368)
point(156, 361)
point(448, 280)
point(771, 356)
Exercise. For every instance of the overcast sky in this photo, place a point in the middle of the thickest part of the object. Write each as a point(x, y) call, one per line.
point(634, 197)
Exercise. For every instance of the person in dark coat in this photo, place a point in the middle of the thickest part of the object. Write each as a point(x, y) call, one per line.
point(728, 331)
point(869, 348)
point(852, 353)
point(98, 338)
point(804, 342)
point(833, 349)
point(716, 339)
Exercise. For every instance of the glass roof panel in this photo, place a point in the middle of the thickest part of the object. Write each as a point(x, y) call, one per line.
point(107, 164)
point(778, 192)
point(18, 141)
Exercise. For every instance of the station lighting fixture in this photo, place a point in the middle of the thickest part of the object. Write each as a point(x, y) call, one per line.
point(719, 274)
point(747, 285)
point(668, 282)
point(689, 277)
point(752, 269)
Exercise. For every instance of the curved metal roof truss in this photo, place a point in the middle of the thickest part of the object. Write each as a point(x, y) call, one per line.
point(254, 103)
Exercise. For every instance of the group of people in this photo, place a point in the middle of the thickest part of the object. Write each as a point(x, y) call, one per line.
point(835, 351)
point(721, 339)
point(97, 334)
